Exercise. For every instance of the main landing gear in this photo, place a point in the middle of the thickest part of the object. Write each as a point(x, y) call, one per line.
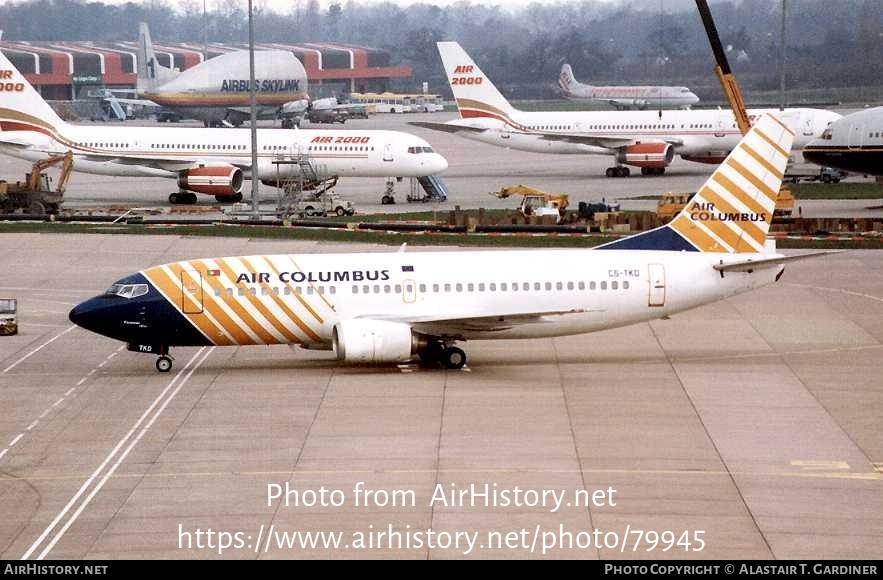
point(450, 357)
point(388, 197)
point(618, 171)
point(235, 198)
point(182, 198)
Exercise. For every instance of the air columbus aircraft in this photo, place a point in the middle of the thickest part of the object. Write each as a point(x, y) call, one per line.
point(207, 161)
point(645, 139)
point(393, 306)
point(625, 97)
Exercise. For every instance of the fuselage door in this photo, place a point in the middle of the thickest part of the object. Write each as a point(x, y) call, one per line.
point(387, 152)
point(409, 291)
point(656, 275)
point(191, 292)
point(856, 132)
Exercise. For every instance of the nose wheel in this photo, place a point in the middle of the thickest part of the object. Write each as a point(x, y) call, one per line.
point(164, 363)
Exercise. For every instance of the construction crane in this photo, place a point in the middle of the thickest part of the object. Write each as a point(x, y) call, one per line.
point(722, 70)
point(535, 202)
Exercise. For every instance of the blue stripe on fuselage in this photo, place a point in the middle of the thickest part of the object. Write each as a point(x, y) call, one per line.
point(662, 238)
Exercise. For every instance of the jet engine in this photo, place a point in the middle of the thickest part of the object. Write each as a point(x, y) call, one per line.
point(375, 341)
point(218, 180)
point(647, 155)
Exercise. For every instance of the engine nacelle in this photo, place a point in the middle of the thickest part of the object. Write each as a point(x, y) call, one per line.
point(218, 180)
point(374, 341)
point(650, 155)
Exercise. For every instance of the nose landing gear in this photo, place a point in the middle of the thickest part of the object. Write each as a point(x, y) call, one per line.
point(164, 363)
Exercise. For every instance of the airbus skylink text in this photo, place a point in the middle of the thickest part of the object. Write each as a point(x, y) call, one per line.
point(486, 495)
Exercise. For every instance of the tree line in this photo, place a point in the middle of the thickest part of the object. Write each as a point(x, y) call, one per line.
point(828, 44)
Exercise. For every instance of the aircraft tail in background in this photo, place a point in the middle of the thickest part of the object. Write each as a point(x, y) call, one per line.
point(151, 74)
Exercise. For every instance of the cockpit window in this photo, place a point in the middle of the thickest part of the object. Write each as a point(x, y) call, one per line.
point(127, 290)
point(419, 149)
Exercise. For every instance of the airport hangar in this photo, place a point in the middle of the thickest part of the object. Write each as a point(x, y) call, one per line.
point(64, 71)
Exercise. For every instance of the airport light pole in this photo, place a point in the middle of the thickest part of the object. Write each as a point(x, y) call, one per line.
point(254, 124)
point(782, 60)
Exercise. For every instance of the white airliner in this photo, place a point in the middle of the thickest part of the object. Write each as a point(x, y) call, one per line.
point(853, 143)
point(645, 139)
point(208, 161)
point(626, 97)
point(393, 306)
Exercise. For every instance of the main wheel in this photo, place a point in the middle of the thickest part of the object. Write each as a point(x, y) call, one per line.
point(174, 198)
point(164, 364)
point(453, 358)
point(387, 200)
point(611, 172)
point(624, 171)
point(188, 197)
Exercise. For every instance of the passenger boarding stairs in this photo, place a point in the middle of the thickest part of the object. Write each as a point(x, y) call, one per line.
point(434, 189)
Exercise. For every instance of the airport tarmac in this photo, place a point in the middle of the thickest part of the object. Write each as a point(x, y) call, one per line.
point(475, 170)
point(750, 426)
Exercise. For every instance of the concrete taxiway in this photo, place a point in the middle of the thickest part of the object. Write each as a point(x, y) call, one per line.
point(751, 426)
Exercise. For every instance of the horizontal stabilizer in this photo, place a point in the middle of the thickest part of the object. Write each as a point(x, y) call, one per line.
point(446, 127)
point(751, 265)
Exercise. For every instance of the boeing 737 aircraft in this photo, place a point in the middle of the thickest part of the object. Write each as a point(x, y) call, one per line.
point(645, 139)
point(853, 143)
point(626, 97)
point(393, 306)
point(208, 161)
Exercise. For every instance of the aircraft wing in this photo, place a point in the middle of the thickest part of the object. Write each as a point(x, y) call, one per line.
point(446, 127)
point(126, 101)
point(164, 164)
point(10, 138)
point(603, 140)
point(458, 326)
point(751, 265)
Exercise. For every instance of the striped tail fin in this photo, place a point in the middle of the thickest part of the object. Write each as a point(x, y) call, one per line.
point(733, 211)
point(475, 94)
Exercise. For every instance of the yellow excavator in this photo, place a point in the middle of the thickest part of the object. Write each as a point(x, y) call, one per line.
point(35, 195)
point(535, 202)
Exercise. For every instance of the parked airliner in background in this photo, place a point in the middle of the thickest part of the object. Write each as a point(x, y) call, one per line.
point(393, 306)
point(626, 97)
point(208, 161)
point(216, 91)
point(852, 143)
point(645, 139)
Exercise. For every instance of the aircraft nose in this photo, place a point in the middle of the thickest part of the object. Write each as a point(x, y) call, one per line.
point(83, 314)
point(438, 164)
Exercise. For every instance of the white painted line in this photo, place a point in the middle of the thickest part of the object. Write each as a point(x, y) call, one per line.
point(102, 363)
point(90, 373)
point(58, 402)
point(83, 380)
point(125, 453)
point(2, 453)
point(16, 440)
point(25, 357)
point(104, 463)
point(44, 413)
point(70, 390)
point(32, 425)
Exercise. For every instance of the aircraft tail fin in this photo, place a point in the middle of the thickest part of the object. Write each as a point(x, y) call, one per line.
point(474, 93)
point(21, 106)
point(566, 80)
point(732, 211)
point(151, 74)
